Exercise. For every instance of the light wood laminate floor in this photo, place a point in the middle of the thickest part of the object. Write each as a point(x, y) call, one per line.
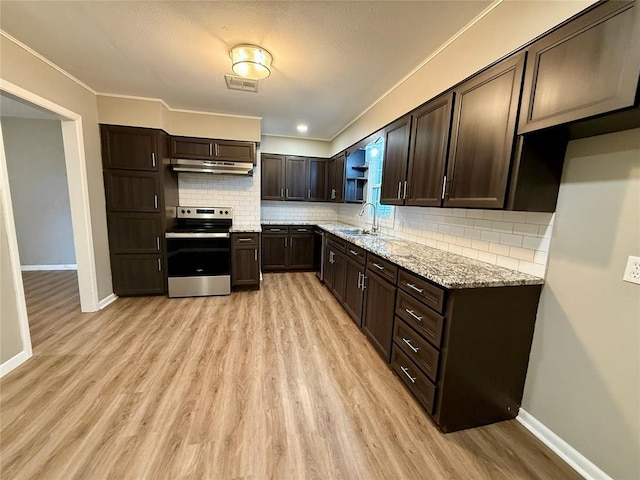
point(275, 384)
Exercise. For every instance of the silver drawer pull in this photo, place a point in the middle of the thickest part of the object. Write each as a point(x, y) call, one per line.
point(408, 342)
point(255, 255)
point(303, 229)
point(354, 253)
point(412, 313)
point(273, 230)
point(379, 267)
point(245, 239)
point(158, 243)
point(411, 285)
point(405, 370)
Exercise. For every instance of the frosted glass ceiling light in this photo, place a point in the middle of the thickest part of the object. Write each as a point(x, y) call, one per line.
point(250, 61)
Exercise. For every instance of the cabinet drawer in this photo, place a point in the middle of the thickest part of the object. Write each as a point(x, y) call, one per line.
point(245, 239)
point(280, 229)
point(424, 320)
point(417, 349)
point(301, 229)
point(382, 267)
point(337, 243)
point(356, 253)
point(424, 291)
point(418, 383)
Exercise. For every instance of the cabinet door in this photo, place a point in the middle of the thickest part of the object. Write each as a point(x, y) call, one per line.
point(428, 153)
point(129, 148)
point(327, 265)
point(301, 251)
point(482, 136)
point(317, 180)
point(275, 252)
point(132, 191)
point(272, 175)
point(339, 275)
point(394, 166)
point(377, 322)
point(195, 148)
point(245, 266)
point(331, 179)
point(588, 67)
point(295, 178)
point(339, 177)
point(353, 292)
point(234, 151)
point(135, 232)
point(137, 274)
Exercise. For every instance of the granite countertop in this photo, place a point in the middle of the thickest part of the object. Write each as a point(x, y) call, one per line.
point(287, 222)
point(246, 229)
point(444, 268)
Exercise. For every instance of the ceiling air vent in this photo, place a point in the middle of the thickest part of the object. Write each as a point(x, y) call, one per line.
point(239, 83)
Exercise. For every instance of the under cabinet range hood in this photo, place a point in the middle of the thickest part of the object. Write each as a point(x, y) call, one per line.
point(216, 167)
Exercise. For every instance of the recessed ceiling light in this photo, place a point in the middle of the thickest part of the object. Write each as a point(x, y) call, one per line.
point(302, 128)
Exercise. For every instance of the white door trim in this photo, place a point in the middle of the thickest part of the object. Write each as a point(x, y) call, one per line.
point(73, 141)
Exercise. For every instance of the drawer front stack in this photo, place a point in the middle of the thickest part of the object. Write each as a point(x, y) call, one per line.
point(417, 336)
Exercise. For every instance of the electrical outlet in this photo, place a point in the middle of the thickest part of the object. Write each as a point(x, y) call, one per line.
point(632, 271)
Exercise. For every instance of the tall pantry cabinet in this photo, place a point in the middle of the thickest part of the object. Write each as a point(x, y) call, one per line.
point(141, 194)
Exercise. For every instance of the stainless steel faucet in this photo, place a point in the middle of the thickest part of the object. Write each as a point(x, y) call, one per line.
point(374, 223)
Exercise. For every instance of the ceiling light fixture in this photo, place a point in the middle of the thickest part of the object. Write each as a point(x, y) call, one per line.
point(250, 61)
point(302, 128)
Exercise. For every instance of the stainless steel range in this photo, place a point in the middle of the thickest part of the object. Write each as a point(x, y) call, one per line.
point(199, 252)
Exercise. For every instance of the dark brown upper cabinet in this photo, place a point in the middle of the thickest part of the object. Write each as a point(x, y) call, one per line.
point(588, 67)
point(483, 135)
point(394, 166)
point(212, 149)
point(335, 178)
point(430, 130)
point(272, 176)
point(129, 148)
point(317, 180)
point(295, 178)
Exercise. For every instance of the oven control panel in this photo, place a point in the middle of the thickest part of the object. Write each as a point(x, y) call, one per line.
point(204, 212)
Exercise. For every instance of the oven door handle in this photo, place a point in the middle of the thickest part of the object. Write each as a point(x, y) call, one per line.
point(196, 235)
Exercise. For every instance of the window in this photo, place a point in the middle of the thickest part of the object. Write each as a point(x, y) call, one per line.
point(374, 153)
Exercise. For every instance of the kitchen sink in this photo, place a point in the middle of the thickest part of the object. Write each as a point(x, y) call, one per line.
point(357, 231)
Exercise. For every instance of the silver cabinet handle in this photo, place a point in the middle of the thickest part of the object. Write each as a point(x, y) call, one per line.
point(158, 243)
point(411, 285)
point(444, 187)
point(303, 229)
point(285, 242)
point(159, 265)
point(153, 159)
point(408, 342)
point(286, 191)
point(364, 278)
point(405, 370)
point(379, 267)
point(404, 195)
point(274, 230)
point(333, 194)
point(359, 280)
point(399, 189)
point(155, 201)
point(309, 194)
point(211, 149)
point(245, 239)
point(255, 255)
point(282, 193)
point(412, 313)
point(354, 253)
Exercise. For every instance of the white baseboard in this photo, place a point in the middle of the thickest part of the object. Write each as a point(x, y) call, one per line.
point(13, 363)
point(566, 452)
point(32, 268)
point(106, 301)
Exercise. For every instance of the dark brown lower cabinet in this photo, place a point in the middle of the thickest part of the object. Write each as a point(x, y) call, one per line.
point(135, 274)
point(335, 266)
point(245, 260)
point(353, 288)
point(133, 232)
point(274, 251)
point(287, 247)
point(379, 302)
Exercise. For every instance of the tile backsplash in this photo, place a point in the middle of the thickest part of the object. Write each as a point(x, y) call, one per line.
point(240, 192)
point(515, 240)
point(299, 211)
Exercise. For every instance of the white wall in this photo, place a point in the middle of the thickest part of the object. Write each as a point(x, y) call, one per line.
point(584, 373)
point(39, 190)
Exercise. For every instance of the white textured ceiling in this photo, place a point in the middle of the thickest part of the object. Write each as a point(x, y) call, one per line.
point(331, 60)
